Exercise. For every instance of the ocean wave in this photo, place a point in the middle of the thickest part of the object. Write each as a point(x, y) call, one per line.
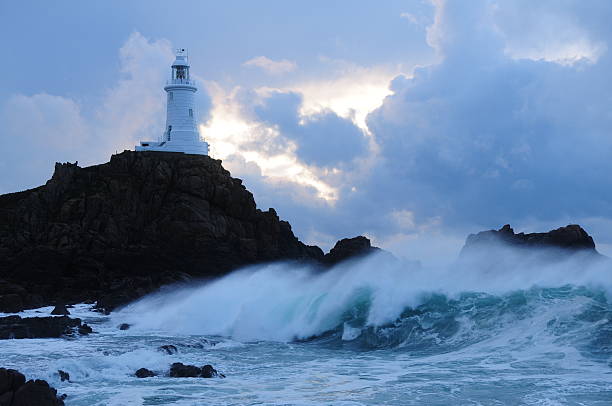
point(380, 303)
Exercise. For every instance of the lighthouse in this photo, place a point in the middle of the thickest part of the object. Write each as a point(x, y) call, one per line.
point(181, 132)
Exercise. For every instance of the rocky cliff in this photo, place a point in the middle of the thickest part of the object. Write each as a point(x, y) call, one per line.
point(116, 231)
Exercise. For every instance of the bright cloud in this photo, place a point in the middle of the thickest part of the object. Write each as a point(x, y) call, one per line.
point(270, 66)
point(54, 128)
point(232, 134)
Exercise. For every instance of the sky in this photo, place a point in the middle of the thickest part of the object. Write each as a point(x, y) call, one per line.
point(412, 122)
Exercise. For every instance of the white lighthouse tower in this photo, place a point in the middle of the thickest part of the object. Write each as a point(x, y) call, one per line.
point(181, 133)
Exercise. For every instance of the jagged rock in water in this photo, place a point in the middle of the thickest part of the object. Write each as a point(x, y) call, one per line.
point(119, 230)
point(64, 376)
point(60, 310)
point(571, 238)
point(179, 370)
point(15, 391)
point(40, 327)
point(124, 326)
point(85, 329)
point(350, 248)
point(503, 250)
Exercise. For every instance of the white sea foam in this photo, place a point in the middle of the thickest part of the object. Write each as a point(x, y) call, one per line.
point(284, 301)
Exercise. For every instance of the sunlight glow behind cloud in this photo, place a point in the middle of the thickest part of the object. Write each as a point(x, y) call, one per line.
point(231, 133)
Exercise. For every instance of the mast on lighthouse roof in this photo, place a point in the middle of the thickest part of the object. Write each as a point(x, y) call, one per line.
point(181, 132)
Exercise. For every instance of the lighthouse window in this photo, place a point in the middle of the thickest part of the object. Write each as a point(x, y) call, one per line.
point(190, 112)
point(171, 96)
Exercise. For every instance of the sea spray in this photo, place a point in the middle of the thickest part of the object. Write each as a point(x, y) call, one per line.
point(390, 302)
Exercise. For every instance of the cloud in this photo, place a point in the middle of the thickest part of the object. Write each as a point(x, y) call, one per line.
point(133, 109)
point(486, 138)
point(308, 137)
point(237, 137)
point(33, 129)
point(545, 31)
point(322, 139)
point(270, 66)
point(41, 129)
point(351, 92)
point(509, 121)
point(410, 17)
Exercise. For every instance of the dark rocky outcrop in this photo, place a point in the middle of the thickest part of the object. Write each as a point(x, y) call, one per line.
point(15, 391)
point(144, 373)
point(179, 370)
point(117, 231)
point(209, 372)
point(124, 326)
point(11, 303)
point(60, 310)
point(64, 376)
point(85, 329)
point(569, 239)
point(41, 327)
point(349, 248)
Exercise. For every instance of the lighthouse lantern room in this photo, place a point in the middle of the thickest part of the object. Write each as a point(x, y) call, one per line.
point(181, 133)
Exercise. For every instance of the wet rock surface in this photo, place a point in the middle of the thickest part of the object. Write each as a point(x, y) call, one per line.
point(15, 391)
point(179, 370)
point(41, 327)
point(145, 373)
point(168, 349)
point(64, 376)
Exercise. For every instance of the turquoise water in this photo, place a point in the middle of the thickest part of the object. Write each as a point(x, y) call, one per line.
point(351, 337)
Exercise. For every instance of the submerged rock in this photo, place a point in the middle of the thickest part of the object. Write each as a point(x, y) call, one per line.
point(168, 349)
point(144, 373)
point(15, 391)
point(40, 327)
point(124, 326)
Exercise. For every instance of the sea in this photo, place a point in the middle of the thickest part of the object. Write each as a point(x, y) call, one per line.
point(368, 332)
